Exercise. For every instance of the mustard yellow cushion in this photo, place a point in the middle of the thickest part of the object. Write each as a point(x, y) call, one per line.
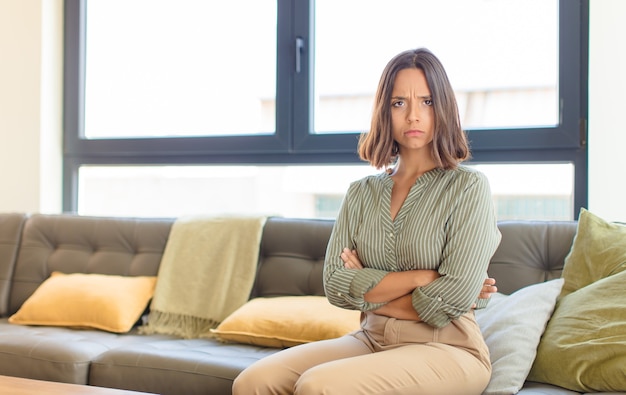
point(584, 345)
point(106, 302)
point(287, 321)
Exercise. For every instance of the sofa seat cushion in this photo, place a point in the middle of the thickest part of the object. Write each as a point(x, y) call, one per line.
point(173, 367)
point(532, 388)
point(56, 353)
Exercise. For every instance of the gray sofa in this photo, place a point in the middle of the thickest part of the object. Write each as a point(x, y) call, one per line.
point(290, 263)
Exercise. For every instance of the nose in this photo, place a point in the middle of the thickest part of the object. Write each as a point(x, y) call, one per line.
point(413, 113)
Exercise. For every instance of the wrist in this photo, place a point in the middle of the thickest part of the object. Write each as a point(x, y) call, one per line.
point(425, 277)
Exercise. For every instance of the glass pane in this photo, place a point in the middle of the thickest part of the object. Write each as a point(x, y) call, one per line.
point(501, 57)
point(157, 68)
point(532, 191)
point(170, 191)
point(538, 191)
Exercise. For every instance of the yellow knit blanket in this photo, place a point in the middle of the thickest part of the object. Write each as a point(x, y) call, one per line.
point(207, 271)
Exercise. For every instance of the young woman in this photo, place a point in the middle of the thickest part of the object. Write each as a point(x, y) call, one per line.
point(410, 249)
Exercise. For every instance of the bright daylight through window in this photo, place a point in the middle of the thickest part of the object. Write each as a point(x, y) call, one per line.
point(196, 79)
point(256, 106)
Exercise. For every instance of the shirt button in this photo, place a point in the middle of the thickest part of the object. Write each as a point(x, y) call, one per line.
point(439, 299)
point(339, 294)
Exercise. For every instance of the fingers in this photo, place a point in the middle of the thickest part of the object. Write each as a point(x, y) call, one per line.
point(488, 288)
point(487, 291)
point(490, 281)
point(351, 259)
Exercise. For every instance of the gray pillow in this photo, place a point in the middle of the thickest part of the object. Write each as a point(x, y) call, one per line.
point(512, 326)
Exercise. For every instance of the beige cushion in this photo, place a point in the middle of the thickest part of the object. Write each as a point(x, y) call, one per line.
point(584, 345)
point(106, 302)
point(287, 321)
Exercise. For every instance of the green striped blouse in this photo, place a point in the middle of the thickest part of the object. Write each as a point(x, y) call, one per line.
point(447, 223)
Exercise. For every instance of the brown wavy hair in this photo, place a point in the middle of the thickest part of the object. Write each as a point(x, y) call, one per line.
point(450, 146)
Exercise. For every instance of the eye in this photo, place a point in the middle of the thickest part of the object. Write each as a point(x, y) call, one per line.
point(428, 102)
point(397, 103)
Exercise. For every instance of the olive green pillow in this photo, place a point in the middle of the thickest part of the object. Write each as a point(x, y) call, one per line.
point(598, 251)
point(584, 345)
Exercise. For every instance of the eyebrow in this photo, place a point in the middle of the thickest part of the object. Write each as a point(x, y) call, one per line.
point(419, 97)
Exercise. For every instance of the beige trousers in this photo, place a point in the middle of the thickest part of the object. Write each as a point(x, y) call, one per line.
point(387, 356)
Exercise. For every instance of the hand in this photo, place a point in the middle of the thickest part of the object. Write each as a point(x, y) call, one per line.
point(351, 259)
point(488, 289)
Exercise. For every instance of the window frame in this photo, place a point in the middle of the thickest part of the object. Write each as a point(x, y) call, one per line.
point(294, 142)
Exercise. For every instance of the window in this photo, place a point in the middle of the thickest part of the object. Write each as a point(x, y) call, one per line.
point(520, 191)
point(182, 93)
point(178, 68)
point(498, 78)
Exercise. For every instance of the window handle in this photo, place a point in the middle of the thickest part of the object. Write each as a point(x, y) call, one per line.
point(299, 50)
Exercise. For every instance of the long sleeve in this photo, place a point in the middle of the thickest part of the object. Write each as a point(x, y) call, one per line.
point(472, 238)
point(446, 223)
point(346, 287)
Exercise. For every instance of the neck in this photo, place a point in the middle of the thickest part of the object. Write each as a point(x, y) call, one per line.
point(412, 169)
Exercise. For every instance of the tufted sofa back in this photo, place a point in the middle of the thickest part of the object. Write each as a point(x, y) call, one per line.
point(11, 225)
point(530, 252)
point(291, 255)
point(74, 244)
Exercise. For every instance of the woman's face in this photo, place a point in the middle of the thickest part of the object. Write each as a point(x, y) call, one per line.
point(412, 114)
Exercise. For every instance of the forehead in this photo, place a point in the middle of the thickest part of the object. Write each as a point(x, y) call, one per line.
point(412, 81)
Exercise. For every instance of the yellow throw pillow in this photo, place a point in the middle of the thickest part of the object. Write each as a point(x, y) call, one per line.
point(287, 321)
point(584, 345)
point(106, 302)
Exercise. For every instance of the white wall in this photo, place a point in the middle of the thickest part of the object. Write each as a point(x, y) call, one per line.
point(30, 105)
point(607, 109)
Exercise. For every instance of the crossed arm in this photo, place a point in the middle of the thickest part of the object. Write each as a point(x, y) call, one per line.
point(396, 288)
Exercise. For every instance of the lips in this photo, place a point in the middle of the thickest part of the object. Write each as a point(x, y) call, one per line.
point(414, 133)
